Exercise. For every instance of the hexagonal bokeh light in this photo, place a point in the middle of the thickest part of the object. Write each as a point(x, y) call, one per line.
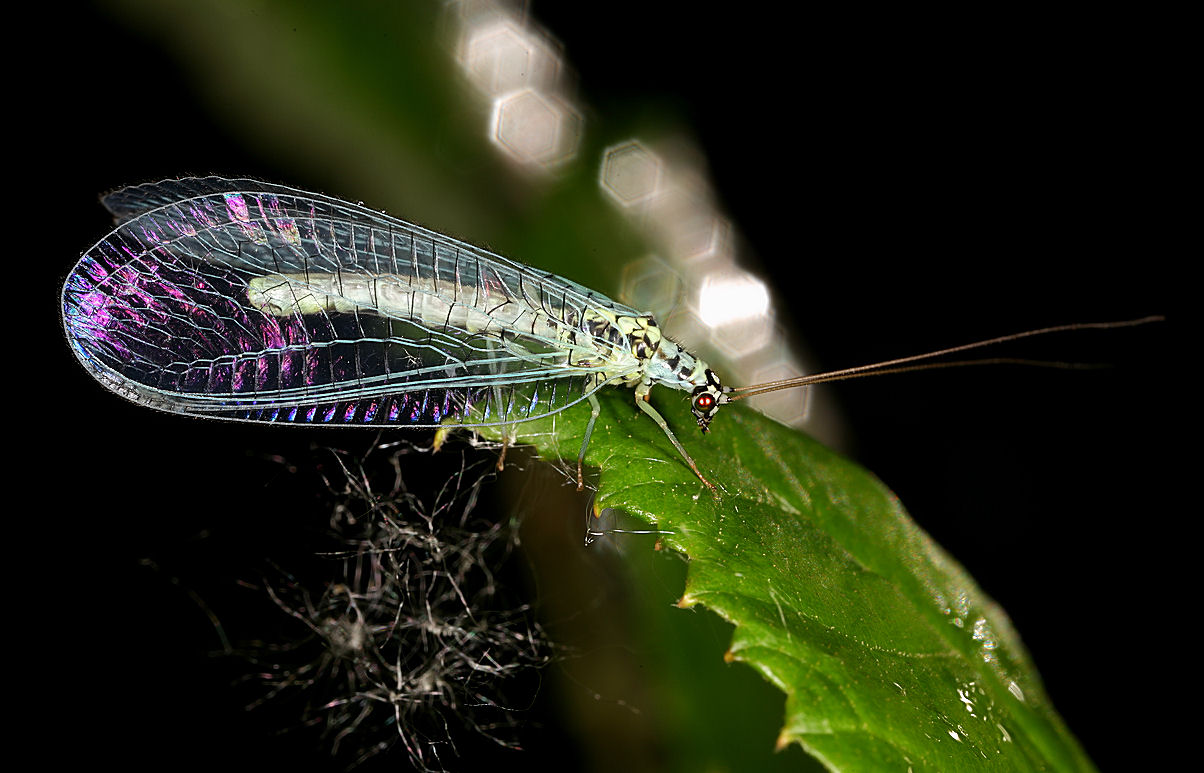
point(732, 297)
point(631, 174)
point(520, 70)
point(533, 128)
point(501, 54)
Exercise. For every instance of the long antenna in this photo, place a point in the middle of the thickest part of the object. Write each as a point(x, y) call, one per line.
point(903, 364)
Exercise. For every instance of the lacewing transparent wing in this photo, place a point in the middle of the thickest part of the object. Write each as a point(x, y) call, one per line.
point(241, 300)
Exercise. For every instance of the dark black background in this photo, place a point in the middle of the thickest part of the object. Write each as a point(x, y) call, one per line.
point(907, 182)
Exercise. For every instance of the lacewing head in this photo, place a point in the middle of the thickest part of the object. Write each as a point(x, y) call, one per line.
point(706, 399)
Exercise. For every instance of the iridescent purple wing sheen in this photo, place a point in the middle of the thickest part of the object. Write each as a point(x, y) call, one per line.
point(358, 318)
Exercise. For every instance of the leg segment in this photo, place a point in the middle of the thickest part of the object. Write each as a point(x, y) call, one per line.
point(641, 399)
point(595, 409)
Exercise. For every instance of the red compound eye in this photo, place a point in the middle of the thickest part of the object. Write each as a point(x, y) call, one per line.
point(704, 402)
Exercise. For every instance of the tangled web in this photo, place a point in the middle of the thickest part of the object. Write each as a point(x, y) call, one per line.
point(414, 642)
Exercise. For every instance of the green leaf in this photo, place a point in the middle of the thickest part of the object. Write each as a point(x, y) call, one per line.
point(889, 655)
